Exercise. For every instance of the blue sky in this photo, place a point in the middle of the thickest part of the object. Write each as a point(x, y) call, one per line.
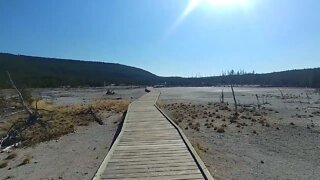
point(263, 35)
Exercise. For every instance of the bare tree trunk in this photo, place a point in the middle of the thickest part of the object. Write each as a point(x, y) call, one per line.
point(20, 96)
point(258, 101)
point(282, 96)
point(222, 97)
point(234, 99)
point(14, 132)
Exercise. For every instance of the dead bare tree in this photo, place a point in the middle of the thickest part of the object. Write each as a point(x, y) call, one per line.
point(222, 97)
point(258, 101)
point(14, 133)
point(234, 99)
point(282, 95)
point(33, 115)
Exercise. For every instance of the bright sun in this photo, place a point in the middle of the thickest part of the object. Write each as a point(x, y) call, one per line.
point(193, 4)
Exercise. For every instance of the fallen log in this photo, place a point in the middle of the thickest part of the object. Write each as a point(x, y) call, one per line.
point(93, 114)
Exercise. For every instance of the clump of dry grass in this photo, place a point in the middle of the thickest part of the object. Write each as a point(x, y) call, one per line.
point(3, 164)
point(57, 121)
point(196, 126)
point(198, 147)
point(24, 162)
point(11, 156)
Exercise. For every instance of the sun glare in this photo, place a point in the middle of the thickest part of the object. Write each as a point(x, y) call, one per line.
point(215, 3)
point(193, 4)
point(227, 2)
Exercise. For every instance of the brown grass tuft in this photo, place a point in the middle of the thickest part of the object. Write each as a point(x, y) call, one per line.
point(11, 156)
point(3, 164)
point(24, 162)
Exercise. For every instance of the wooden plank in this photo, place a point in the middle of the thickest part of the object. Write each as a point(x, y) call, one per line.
point(151, 169)
point(152, 174)
point(132, 164)
point(154, 159)
point(146, 166)
point(123, 156)
point(180, 177)
point(132, 153)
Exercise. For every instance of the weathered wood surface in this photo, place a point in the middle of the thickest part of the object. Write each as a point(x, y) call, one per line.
point(149, 146)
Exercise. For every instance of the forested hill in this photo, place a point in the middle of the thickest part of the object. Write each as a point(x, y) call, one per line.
point(28, 71)
point(291, 78)
point(31, 71)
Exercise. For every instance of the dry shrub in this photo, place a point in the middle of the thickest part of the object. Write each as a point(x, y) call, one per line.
point(209, 125)
point(176, 115)
point(220, 130)
point(195, 126)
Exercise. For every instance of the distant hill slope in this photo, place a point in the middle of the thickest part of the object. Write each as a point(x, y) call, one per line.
point(49, 72)
point(31, 71)
point(291, 78)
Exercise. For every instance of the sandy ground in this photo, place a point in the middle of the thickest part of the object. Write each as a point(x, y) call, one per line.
point(282, 142)
point(82, 95)
point(73, 156)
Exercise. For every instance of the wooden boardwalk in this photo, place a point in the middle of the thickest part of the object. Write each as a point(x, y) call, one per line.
point(151, 146)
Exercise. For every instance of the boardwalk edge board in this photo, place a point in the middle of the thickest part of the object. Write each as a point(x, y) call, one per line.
point(204, 170)
point(105, 161)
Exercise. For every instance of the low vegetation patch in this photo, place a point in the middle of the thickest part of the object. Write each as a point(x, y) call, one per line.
point(24, 162)
point(3, 164)
point(56, 121)
point(199, 148)
point(217, 116)
point(11, 156)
